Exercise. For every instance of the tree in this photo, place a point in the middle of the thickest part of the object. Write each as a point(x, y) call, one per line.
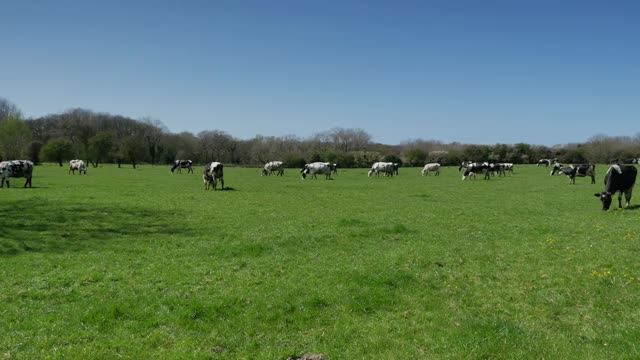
point(416, 156)
point(57, 150)
point(15, 138)
point(100, 147)
point(153, 132)
point(8, 110)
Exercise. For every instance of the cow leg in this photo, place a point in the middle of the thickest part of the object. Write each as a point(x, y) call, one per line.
point(593, 179)
point(627, 197)
point(27, 182)
point(2, 183)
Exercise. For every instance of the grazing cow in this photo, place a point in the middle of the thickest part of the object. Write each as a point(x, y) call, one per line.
point(619, 178)
point(386, 168)
point(431, 167)
point(547, 162)
point(273, 166)
point(16, 169)
point(77, 165)
point(182, 164)
point(475, 168)
point(574, 171)
point(212, 173)
point(316, 168)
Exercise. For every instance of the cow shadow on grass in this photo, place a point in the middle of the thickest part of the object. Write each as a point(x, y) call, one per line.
point(45, 226)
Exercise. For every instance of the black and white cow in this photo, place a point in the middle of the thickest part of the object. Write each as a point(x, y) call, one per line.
point(386, 168)
point(619, 178)
point(624, 161)
point(429, 168)
point(273, 166)
point(211, 174)
point(471, 169)
point(77, 165)
point(16, 169)
point(182, 164)
point(547, 162)
point(316, 168)
point(574, 171)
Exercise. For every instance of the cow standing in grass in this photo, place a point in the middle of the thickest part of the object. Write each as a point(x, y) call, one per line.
point(619, 178)
point(273, 166)
point(316, 168)
point(182, 164)
point(16, 169)
point(212, 173)
point(431, 168)
point(574, 171)
point(386, 168)
point(77, 165)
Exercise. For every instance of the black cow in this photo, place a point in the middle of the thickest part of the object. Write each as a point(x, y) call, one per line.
point(16, 169)
point(618, 178)
point(574, 171)
point(182, 164)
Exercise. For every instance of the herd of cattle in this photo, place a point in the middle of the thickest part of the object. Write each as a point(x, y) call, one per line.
point(619, 178)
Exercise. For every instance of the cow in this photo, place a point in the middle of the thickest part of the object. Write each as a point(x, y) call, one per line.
point(547, 162)
point(211, 174)
point(508, 167)
point(182, 164)
point(624, 161)
point(475, 168)
point(273, 166)
point(619, 178)
point(16, 169)
point(429, 168)
point(77, 165)
point(316, 168)
point(574, 171)
point(498, 168)
point(386, 168)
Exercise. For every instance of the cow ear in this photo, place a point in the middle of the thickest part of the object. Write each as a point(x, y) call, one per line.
point(598, 195)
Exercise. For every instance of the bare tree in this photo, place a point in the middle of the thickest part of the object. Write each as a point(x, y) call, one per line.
point(153, 131)
point(8, 110)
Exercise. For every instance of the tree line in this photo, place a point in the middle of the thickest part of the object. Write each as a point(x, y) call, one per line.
point(106, 138)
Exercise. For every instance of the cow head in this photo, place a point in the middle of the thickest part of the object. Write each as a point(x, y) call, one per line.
point(175, 165)
point(605, 198)
point(304, 171)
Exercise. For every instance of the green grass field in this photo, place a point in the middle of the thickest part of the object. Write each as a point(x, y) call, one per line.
point(140, 264)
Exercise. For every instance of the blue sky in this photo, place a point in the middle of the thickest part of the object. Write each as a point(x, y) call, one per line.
point(483, 72)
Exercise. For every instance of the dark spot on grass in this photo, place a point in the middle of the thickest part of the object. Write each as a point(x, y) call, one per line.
point(351, 222)
point(398, 229)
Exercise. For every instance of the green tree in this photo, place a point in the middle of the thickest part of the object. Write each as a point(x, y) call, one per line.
point(416, 156)
point(57, 150)
point(15, 137)
point(100, 147)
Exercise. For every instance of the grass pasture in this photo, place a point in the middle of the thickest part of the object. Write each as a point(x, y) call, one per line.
point(137, 264)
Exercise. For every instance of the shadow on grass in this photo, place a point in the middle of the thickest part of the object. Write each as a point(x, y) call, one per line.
point(47, 226)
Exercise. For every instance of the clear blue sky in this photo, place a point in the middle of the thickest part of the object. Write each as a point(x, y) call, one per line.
point(477, 71)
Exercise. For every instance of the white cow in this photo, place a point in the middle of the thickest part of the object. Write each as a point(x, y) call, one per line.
point(16, 168)
point(273, 166)
point(316, 168)
point(431, 167)
point(387, 168)
point(212, 173)
point(77, 165)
